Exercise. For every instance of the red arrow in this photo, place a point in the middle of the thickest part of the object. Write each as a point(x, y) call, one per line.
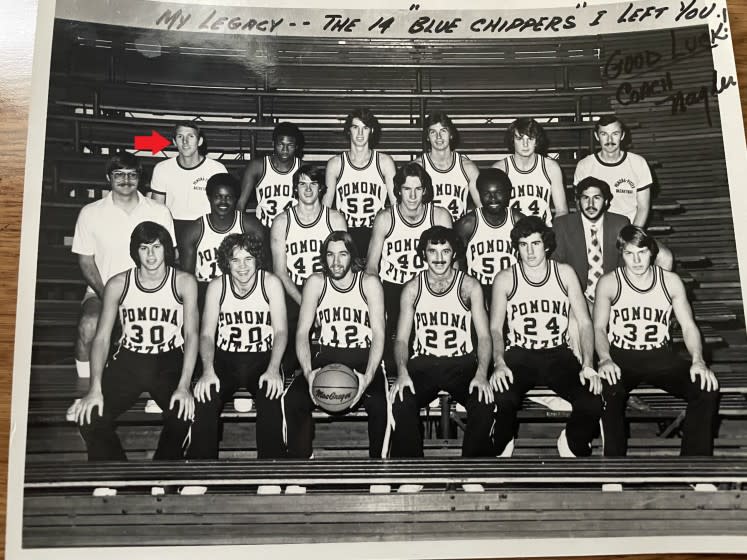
point(155, 142)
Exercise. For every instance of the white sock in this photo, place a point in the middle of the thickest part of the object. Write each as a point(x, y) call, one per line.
point(83, 368)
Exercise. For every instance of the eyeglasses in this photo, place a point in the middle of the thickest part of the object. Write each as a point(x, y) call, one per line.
point(121, 175)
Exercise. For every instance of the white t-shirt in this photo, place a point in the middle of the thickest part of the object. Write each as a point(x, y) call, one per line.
point(103, 230)
point(626, 178)
point(185, 188)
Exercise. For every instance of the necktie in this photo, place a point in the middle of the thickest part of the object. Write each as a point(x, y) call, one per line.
point(594, 254)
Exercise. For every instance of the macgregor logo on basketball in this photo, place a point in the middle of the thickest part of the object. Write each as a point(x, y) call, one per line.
point(333, 396)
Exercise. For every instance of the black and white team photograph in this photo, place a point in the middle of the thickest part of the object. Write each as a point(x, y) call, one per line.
point(384, 287)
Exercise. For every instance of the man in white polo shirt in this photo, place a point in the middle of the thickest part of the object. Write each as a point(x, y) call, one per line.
point(179, 182)
point(102, 242)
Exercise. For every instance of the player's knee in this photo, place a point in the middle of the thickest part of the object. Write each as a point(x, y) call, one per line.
point(614, 396)
point(506, 403)
point(590, 405)
point(87, 327)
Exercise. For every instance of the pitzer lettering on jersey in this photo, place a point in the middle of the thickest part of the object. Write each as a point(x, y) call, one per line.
point(354, 316)
point(305, 246)
point(275, 191)
point(530, 190)
point(157, 314)
point(489, 246)
point(360, 187)
point(245, 317)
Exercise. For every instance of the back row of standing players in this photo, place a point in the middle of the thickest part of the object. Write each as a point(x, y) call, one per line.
point(432, 191)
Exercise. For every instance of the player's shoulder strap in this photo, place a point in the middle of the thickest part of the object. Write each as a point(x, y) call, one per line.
point(542, 159)
point(174, 288)
point(325, 284)
point(660, 272)
point(421, 278)
point(127, 281)
point(202, 221)
point(556, 271)
point(459, 161)
point(618, 290)
point(265, 163)
point(262, 286)
point(223, 288)
point(514, 281)
point(461, 278)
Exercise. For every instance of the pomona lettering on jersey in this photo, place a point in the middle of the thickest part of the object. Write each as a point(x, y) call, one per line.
point(209, 255)
point(447, 189)
point(346, 314)
point(441, 319)
point(274, 191)
point(637, 313)
point(539, 306)
point(537, 191)
point(246, 317)
point(156, 314)
point(490, 246)
point(305, 246)
point(360, 187)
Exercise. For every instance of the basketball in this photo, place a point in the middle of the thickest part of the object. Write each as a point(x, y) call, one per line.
point(335, 387)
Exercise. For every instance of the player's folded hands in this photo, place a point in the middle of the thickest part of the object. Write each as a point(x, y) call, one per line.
point(609, 371)
point(595, 381)
point(274, 383)
point(186, 404)
point(484, 390)
point(708, 379)
point(501, 379)
point(81, 410)
point(202, 388)
point(402, 382)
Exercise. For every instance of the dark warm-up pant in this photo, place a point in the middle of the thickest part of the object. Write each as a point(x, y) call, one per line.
point(558, 369)
point(235, 370)
point(666, 370)
point(392, 293)
point(125, 377)
point(297, 403)
point(431, 374)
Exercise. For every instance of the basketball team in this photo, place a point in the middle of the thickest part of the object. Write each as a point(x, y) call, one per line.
point(434, 276)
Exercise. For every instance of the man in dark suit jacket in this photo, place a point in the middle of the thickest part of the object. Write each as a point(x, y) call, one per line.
point(572, 232)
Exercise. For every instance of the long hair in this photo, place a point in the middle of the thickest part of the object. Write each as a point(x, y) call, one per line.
point(369, 119)
point(413, 169)
point(437, 235)
point(530, 127)
point(247, 241)
point(529, 225)
point(345, 237)
point(637, 237)
point(150, 232)
point(439, 117)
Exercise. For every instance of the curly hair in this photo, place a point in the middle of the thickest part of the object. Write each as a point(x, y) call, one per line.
point(439, 117)
point(355, 262)
point(367, 118)
point(222, 180)
point(146, 233)
point(437, 235)
point(529, 225)
point(494, 176)
point(593, 182)
point(247, 241)
point(413, 169)
point(530, 127)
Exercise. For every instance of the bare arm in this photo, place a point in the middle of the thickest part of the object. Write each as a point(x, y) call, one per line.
point(279, 256)
point(311, 292)
point(388, 169)
point(581, 311)
point(382, 223)
point(472, 172)
point(210, 313)
point(482, 325)
point(91, 274)
point(605, 292)
point(375, 297)
point(188, 246)
point(558, 189)
point(501, 164)
point(465, 228)
point(498, 306)
point(249, 181)
point(187, 287)
point(332, 173)
point(276, 295)
point(643, 207)
point(442, 217)
point(337, 221)
point(402, 340)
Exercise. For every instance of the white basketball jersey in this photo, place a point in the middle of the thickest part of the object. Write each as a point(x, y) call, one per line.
point(399, 259)
point(360, 192)
point(151, 318)
point(537, 313)
point(531, 190)
point(639, 319)
point(489, 249)
point(303, 244)
point(274, 191)
point(443, 322)
point(450, 187)
point(343, 315)
point(206, 263)
point(244, 322)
